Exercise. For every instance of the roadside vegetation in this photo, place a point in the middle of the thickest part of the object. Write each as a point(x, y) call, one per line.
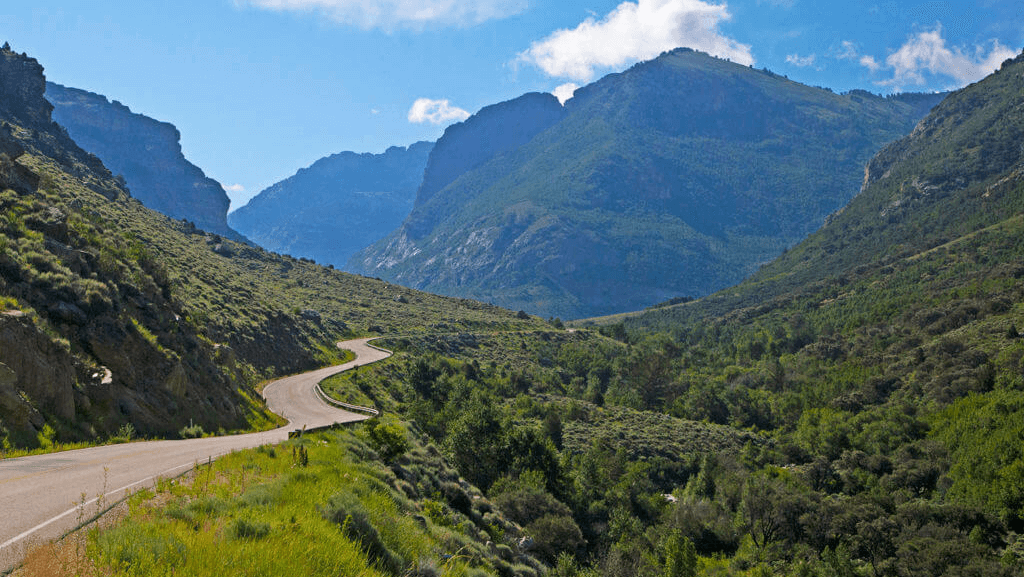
point(368, 500)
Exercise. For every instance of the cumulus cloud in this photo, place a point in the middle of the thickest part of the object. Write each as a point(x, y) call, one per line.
point(801, 61)
point(635, 31)
point(870, 63)
point(234, 188)
point(565, 91)
point(926, 52)
point(388, 14)
point(435, 112)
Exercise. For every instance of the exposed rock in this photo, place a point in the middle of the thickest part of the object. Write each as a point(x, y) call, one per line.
point(22, 83)
point(68, 313)
point(147, 153)
point(677, 177)
point(45, 371)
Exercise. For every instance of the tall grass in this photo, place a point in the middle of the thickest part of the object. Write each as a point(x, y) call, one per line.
point(259, 512)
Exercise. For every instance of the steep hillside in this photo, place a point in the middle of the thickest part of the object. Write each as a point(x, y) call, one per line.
point(147, 153)
point(337, 206)
point(112, 314)
point(884, 354)
point(675, 178)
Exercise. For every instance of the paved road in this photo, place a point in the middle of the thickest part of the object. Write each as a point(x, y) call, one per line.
point(41, 497)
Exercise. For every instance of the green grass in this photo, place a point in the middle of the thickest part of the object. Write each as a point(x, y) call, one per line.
point(261, 512)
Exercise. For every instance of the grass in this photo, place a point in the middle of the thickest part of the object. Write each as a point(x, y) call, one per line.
point(261, 512)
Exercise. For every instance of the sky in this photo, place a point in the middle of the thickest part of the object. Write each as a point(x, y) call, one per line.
point(261, 88)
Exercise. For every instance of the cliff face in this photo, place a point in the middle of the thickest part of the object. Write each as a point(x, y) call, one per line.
point(337, 206)
point(491, 131)
point(21, 83)
point(147, 153)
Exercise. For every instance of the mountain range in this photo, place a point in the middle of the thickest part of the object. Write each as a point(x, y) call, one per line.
point(336, 206)
point(677, 177)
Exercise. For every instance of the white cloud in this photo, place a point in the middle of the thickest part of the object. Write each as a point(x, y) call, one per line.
point(435, 112)
point(565, 91)
point(234, 188)
point(635, 31)
point(801, 61)
point(849, 51)
point(870, 63)
point(926, 52)
point(389, 14)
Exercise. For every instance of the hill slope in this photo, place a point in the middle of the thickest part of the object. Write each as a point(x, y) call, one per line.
point(677, 177)
point(147, 153)
point(112, 314)
point(337, 206)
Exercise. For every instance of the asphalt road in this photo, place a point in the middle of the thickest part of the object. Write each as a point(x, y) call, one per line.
point(42, 497)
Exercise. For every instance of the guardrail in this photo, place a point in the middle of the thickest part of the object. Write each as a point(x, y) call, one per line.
point(369, 410)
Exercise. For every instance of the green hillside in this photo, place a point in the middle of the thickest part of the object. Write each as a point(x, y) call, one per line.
point(115, 319)
point(884, 354)
point(675, 178)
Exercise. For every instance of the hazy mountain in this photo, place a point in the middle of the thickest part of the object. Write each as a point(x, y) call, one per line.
point(679, 176)
point(340, 204)
point(147, 153)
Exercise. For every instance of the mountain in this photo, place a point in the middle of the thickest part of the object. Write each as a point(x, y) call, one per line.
point(112, 314)
point(675, 178)
point(884, 357)
point(340, 204)
point(147, 153)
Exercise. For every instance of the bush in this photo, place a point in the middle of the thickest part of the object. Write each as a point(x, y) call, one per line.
point(388, 438)
point(246, 529)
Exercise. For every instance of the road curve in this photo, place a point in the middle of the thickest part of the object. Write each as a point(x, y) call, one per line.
point(42, 496)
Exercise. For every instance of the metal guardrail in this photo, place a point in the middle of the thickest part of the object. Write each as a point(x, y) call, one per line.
point(369, 410)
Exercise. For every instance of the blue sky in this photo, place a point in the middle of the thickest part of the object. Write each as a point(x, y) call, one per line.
point(261, 88)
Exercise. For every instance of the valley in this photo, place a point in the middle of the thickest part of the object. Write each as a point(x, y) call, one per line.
point(845, 399)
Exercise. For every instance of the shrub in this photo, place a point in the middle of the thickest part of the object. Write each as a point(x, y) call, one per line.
point(246, 529)
point(191, 432)
point(388, 438)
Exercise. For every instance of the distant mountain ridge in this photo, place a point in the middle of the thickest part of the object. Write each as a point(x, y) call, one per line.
point(147, 153)
point(337, 206)
point(677, 177)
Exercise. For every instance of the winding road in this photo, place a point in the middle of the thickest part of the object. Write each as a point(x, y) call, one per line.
point(43, 496)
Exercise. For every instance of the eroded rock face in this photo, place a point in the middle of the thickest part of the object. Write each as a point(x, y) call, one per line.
point(337, 206)
point(21, 87)
point(41, 369)
point(147, 153)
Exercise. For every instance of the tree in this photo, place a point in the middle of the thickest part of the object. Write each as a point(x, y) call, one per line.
point(680, 555)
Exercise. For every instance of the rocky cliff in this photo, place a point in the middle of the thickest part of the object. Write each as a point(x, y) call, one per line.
point(337, 206)
point(147, 153)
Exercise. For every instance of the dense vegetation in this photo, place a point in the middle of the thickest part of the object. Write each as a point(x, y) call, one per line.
point(854, 409)
point(675, 178)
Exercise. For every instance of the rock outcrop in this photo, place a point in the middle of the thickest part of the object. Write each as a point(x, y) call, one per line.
point(147, 153)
